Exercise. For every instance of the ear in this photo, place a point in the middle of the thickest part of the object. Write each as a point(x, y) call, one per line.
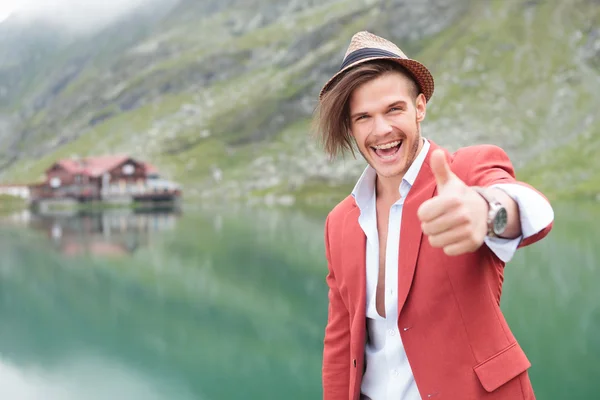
point(421, 107)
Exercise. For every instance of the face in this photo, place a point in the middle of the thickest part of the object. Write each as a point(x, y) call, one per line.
point(385, 123)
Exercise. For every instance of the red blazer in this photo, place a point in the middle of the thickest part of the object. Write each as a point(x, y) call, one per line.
point(455, 336)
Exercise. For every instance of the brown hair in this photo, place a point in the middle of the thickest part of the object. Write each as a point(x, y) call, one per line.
point(332, 121)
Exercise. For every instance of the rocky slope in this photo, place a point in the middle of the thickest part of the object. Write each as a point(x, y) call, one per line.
point(219, 94)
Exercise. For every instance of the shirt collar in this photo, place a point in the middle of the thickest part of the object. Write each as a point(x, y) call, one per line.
point(364, 190)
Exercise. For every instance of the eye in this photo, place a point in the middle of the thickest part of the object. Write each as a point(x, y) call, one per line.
point(361, 117)
point(394, 109)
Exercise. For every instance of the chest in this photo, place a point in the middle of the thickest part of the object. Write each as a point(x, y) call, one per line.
point(384, 277)
point(388, 216)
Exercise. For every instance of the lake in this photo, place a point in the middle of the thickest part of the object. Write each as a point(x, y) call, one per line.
point(231, 304)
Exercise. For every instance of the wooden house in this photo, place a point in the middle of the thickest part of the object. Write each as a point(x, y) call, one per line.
point(106, 178)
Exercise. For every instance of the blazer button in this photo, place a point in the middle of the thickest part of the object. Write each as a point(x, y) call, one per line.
point(354, 362)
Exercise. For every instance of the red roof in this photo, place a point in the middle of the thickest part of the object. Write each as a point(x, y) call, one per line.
point(150, 169)
point(96, 166)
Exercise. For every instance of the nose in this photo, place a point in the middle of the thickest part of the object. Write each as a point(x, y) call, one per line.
point(381, 126)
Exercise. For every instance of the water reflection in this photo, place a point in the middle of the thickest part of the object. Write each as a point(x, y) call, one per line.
point(231, 304)
point(89, 377)
point(221, 298)
point(111, 233)
point(552, 302)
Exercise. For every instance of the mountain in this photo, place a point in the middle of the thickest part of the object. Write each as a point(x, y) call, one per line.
point(219, 94)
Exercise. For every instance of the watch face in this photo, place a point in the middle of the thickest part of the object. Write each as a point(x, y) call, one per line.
point(500, 221)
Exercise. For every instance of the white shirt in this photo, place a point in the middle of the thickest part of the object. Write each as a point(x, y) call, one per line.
point(388, 374)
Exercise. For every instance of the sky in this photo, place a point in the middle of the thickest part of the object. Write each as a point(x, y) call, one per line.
point(6, 6)
point(76, 15)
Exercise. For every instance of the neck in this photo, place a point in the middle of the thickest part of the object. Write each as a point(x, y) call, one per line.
point(387, 189)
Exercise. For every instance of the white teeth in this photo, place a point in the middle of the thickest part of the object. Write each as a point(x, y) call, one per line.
point(388, 145)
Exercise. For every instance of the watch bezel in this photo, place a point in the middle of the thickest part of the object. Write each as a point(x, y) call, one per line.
point(495, 210)
point(499, 219)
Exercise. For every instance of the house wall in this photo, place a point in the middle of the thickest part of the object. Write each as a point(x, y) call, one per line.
point(59, 172)
point(125, 184)
point(118, 174)
point(123, 181)
point(70, 186)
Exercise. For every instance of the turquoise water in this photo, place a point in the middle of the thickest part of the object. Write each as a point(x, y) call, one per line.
point(232, 305)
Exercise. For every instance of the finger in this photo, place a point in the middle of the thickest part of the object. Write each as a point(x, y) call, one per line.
point(453, 219)
point(450, 237)
point(441, 169)
point(462, 247)
point(436, 207)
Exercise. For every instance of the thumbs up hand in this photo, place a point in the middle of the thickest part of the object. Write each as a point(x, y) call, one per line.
point(456, 219)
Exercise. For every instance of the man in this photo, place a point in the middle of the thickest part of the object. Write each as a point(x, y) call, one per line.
point(416, 253)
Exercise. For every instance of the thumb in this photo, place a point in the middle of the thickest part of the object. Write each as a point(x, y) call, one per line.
point(441, 169)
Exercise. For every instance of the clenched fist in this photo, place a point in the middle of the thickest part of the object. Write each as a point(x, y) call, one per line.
point(455, 219)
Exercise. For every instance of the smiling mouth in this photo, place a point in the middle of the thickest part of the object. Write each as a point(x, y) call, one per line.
point(387, 150)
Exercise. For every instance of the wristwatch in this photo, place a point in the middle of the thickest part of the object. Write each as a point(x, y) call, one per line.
point(497, 217)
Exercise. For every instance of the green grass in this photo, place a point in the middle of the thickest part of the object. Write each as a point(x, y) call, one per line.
point(525, 90)
point(513, 60)
point(507, 72)
point(284, 32)
point(104, 138)
point(10, 204)
point(571, 171)
point(241, 106)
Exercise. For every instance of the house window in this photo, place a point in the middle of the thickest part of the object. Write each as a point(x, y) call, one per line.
point(55, 182)
point(128, 169)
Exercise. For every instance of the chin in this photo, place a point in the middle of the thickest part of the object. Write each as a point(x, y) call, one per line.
point(387, 172)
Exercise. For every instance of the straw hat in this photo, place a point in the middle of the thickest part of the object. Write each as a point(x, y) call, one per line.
point(366, 46)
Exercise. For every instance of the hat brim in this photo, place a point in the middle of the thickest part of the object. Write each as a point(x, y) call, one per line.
point(418, 71)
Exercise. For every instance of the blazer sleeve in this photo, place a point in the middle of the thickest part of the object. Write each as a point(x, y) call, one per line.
point(490, 165)
point(336, 349)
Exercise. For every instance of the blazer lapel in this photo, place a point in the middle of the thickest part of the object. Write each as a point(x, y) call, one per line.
point(354, 258)
point(410, 231)
point(355, 277)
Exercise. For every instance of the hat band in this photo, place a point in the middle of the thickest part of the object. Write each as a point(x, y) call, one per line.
point(368, 52)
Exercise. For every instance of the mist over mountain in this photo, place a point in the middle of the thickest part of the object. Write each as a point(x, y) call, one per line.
point(76, 17)
point(219, 94)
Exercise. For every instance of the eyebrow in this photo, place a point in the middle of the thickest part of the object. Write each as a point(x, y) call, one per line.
point(394, 104)
point(398, 103)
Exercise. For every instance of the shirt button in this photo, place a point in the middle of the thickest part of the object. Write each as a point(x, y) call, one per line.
point(391, 332)
point(391, 291)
